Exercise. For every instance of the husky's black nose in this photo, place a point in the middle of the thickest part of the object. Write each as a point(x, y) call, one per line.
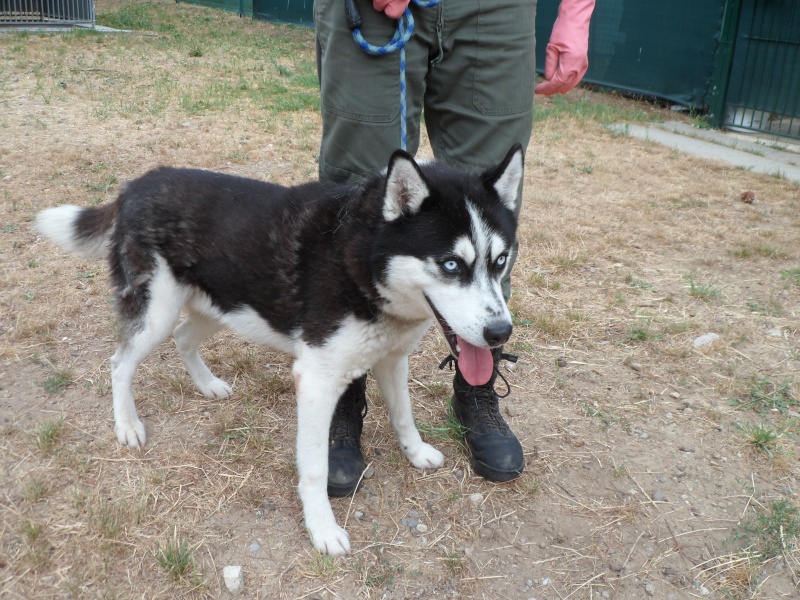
point(497, 333)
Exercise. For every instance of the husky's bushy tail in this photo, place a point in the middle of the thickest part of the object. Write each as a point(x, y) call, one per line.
point(84, 231)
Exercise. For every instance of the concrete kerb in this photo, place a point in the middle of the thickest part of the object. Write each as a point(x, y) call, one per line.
point(771, 157)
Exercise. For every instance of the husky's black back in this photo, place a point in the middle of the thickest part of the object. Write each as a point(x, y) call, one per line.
point(243, 242)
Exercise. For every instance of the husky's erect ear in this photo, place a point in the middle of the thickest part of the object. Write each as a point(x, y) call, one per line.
point(406, 187)
point(505, 177)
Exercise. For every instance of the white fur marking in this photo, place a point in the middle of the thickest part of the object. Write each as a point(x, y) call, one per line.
point(465, 250)
point(166, 299)
point(405, 190)
point(58, 224)
point(507, 185)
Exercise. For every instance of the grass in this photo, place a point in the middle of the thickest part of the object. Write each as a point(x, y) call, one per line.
point(586, 110)
point(450, 429)
point(765, 395)
point(35, 490)
point(454, 562)
point(47, 435)
point(793, 275)
point(83, 517)
point(58, 381)
point(638, 283)
point(762, 437)
point(764, 250)
point(643, 333)
point(770, 532)
point(321, 566)
point(702, 291)
point(381, 573)
point(177, 560)
point(607, 417)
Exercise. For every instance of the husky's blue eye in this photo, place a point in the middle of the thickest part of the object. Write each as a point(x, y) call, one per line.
point(501, 260)
point(450, 266)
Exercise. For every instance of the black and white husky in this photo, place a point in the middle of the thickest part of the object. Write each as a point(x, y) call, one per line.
point(345, 279)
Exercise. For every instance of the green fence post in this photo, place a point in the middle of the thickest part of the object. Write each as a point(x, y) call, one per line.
point(723, 59)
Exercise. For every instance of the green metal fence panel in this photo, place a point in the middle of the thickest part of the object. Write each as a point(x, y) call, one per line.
point(649, 47)
point(764, 87)
point(242, 7)
point(296, 12)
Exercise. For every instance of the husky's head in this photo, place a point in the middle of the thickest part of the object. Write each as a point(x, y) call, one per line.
point(444, 249)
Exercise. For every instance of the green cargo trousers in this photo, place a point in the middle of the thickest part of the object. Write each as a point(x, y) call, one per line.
point(470, 74)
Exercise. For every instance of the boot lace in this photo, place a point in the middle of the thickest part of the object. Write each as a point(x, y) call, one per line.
point(348, 420)
point(450, 359)
point(484, 398)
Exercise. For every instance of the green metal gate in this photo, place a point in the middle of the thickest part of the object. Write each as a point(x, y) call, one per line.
point(297, 12)
point(764, 85)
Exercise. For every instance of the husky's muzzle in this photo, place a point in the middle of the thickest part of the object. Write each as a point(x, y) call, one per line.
point(474, 362)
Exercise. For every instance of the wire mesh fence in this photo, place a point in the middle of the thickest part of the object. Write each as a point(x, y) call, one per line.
point(46, 12)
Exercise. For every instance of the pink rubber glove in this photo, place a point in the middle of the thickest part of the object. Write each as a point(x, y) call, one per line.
point(567, 54)
point(392, 8)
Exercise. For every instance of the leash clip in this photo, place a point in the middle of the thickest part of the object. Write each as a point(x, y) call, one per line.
point(352, 14)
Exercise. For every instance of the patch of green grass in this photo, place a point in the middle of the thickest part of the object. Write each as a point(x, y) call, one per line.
point(450, 429)
point(543, 281)
point(519, 320)
point(766, 250)
point(48, 434)
point(761, 437)
point(585, 109)
point(702, 291)
point(31, 530)
point(771, 532)
point(58, 381)
point(110, 517)
point(139, 16)
point(792, 275)
point(9, 228)
point(637, 283)
point(607, 418)
point(619, 471)
point(87, 275)
point(765, 395)
point(690, 203)
point(177, 560)
point(643, 333)
point(35, 490)
point(104, 183)
point(454, 562)
point(742, 251)
point(382, 573)
point(323, 566)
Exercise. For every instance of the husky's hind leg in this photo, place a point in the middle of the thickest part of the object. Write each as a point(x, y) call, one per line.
point(188, 336)
point(140, 337)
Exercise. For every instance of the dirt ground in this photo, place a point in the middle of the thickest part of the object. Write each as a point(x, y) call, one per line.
point(661, 462)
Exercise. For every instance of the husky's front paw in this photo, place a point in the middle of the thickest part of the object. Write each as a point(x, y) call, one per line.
point(131, 434)
point(330, 539)
point(214, 388)
point(426, 457)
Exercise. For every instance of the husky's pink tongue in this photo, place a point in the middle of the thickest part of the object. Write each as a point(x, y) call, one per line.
point(475, 364)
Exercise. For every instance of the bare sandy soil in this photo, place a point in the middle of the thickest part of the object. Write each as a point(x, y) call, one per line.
point(656, 466)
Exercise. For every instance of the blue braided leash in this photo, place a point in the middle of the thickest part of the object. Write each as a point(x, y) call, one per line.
point(403, 33)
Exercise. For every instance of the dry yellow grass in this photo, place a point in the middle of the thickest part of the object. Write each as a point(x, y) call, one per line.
point(629, 251)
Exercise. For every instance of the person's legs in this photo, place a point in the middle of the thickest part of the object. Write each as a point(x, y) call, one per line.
point(479, 97)
point(479, 102)
point(360, 97)
point(360, 94)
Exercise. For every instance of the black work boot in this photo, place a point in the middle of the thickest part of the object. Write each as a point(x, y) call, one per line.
point(496, 453)
point(345, 461)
